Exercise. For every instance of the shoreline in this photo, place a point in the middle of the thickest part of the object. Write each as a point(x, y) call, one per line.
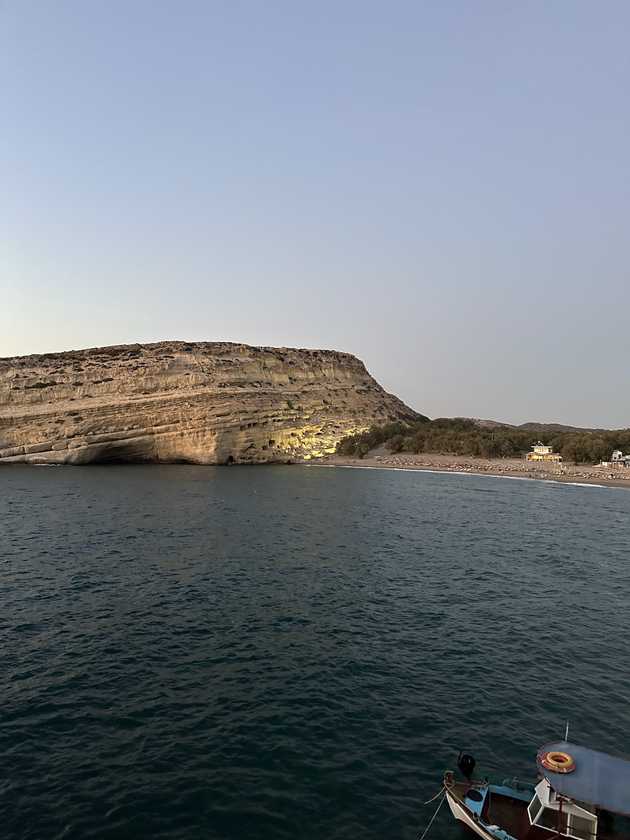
point(590, 476)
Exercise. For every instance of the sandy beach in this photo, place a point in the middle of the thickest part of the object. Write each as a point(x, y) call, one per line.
point(506, 467)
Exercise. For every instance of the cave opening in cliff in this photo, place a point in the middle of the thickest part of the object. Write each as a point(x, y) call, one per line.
point(118, 458)
point(123, 452)
point(230, 459)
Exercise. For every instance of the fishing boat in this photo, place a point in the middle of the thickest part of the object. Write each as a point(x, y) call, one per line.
point(577, 795)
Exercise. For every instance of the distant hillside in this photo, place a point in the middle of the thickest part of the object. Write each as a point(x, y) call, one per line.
point(554, 428)
point(487, 439)
point(542, 428)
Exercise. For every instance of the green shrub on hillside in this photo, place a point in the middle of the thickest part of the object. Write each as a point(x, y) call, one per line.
point(466, 437)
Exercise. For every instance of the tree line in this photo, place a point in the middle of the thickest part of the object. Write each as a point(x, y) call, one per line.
point(466, 437)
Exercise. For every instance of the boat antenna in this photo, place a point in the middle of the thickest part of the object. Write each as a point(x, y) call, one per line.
point(566, 732)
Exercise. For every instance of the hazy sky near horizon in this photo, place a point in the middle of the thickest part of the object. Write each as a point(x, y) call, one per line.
point(440, 188)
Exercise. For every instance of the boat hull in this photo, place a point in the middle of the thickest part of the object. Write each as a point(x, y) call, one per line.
point(501, 812)
point(460, 813)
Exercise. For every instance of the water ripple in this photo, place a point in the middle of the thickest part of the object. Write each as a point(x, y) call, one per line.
point(285, 652)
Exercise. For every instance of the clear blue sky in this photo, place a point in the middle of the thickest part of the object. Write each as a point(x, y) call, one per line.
point(440, 188)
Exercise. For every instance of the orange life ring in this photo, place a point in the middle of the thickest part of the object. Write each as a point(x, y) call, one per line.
point(558, 762)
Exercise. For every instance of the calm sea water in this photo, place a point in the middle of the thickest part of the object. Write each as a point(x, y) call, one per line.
point(289, 652)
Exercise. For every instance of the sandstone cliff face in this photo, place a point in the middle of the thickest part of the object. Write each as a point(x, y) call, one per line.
point(201, 403)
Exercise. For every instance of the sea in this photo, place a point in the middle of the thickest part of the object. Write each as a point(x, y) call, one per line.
point(292, 651)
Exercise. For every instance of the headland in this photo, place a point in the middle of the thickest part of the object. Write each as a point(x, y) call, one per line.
point(186, 402)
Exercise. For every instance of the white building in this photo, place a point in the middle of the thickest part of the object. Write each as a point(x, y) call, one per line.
point(617, 459)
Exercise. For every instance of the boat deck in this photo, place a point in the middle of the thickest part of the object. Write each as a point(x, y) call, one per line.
point(510, 814)
point(507, 812)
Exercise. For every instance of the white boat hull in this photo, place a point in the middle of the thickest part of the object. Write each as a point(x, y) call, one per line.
point(461, 814)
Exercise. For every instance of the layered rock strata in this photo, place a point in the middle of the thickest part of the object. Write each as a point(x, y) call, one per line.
point(200, 403)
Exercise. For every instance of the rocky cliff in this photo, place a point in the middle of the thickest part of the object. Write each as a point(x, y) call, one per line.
point(201, 403)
